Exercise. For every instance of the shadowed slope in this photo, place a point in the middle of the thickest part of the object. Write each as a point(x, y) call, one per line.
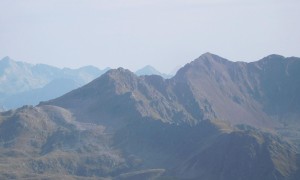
point(124, 126)
point(207, 88)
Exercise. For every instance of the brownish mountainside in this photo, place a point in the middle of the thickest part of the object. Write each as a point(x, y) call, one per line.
point(192, 126)
point(263, 93)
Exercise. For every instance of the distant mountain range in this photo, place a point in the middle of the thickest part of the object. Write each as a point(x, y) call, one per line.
point(27, 84)
point(22, 83)
point(214, 120)
point(149, 70)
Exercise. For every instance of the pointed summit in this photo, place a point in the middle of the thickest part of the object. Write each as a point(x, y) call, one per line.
point(211, 57)
point(119, 73)
point(147, 70)
point(6, 61)
point(6, 58)
point(150, 70)
point(207, 54)
point(206, 63)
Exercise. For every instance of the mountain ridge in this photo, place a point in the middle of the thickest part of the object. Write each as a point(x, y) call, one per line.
point(214, 82)
point(215, 119)
point(20, 81)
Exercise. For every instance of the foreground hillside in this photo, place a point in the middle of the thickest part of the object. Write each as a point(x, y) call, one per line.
point(46, 141)
point(215, 119)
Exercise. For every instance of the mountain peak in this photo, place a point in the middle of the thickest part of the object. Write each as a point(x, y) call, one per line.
point(273, 57)
point(118, 71)
point(150, 70)
point(89, 67)
point(117, 125)
point(211, 57)
point(7, 63)
point(204, 63)
point(207, 54)
point(120, 75)
point(6, 60)
point(147, 70)
point(149, 66)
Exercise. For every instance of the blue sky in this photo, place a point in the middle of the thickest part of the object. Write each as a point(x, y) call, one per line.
point(134, 33)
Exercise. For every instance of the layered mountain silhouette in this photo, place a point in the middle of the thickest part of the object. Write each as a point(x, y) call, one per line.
point(215, 119)
point(261, 93)
point(27, 84)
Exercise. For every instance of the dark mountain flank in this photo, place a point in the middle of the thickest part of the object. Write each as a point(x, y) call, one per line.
point(263, 93)
point(214, 120)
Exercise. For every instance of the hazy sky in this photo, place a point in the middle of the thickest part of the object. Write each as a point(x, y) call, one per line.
point(134, 33)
